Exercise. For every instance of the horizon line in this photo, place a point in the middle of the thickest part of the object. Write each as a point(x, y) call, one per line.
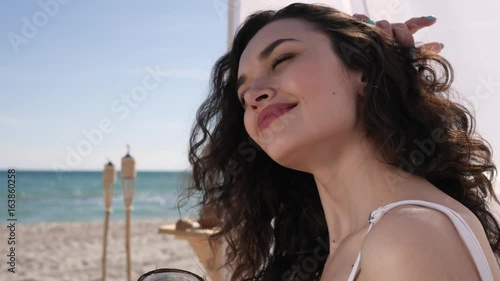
point(84, 170)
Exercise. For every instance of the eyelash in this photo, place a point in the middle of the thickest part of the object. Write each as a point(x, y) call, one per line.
point(272, 66)
point(279, 60)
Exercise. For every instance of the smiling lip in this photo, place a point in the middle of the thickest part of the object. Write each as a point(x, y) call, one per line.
point(272, 112)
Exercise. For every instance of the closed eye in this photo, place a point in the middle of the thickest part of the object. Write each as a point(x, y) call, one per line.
point(280, 59)
point(272, 66)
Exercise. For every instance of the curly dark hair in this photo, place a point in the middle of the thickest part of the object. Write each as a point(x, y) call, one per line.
point(261, 203)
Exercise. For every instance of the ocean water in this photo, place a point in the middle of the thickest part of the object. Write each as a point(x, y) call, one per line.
point(47, 196)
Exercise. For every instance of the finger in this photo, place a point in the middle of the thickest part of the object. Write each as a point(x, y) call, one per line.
point(363, 18)
point(434, 47)
point(415, 24)
point(402, 35)
point(386, 27)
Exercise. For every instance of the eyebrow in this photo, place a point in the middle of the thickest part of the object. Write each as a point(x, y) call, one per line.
point(264, 55)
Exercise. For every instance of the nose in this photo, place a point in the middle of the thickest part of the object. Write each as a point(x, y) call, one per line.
point(256, 97)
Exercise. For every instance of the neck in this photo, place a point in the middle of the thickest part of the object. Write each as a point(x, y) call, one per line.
point(353, 186)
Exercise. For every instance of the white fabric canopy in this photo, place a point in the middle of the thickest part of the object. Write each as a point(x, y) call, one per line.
point(242, 8)
point(470, 31)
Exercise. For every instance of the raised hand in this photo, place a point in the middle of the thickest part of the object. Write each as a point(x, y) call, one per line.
point(403, 32)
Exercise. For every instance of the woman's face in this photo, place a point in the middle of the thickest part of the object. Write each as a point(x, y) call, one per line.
point(299, 98)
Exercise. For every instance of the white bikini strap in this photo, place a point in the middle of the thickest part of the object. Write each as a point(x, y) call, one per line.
point(463, 229)
point(355, 267)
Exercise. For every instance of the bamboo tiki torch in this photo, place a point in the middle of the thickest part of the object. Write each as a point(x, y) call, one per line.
point(128, 175)
point(109, 180)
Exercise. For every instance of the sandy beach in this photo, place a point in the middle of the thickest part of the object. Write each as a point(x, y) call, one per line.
point(72, 251)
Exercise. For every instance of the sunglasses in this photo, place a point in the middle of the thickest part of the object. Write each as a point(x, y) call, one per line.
point(169, 274)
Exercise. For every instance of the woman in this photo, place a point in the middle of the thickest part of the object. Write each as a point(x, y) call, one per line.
point(315, 121)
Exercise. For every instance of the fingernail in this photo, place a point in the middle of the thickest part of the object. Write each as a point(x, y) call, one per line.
point(370, 21)
point(442, 45)
point(430, 17)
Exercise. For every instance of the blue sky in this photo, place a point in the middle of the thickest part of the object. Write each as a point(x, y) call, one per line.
point(78, 68)
point(73, 76)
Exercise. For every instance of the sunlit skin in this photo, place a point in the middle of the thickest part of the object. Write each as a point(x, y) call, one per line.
point(314, 78)
point(323, 135)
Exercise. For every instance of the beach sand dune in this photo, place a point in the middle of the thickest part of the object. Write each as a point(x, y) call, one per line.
point(72, 251)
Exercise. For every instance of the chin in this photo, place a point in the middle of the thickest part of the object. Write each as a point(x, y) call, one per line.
point(285, 140)
point(292, 162)
point(284, 153)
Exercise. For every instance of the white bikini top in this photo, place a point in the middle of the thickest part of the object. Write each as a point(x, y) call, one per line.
point(463, 229)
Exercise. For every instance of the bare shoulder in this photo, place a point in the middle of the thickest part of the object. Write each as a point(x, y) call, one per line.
point(416, 243)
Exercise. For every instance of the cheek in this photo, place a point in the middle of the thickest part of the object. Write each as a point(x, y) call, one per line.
point(332, 117)
point(312, 78)
point(250, 125)
point(305, 78)
point(331, 109)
